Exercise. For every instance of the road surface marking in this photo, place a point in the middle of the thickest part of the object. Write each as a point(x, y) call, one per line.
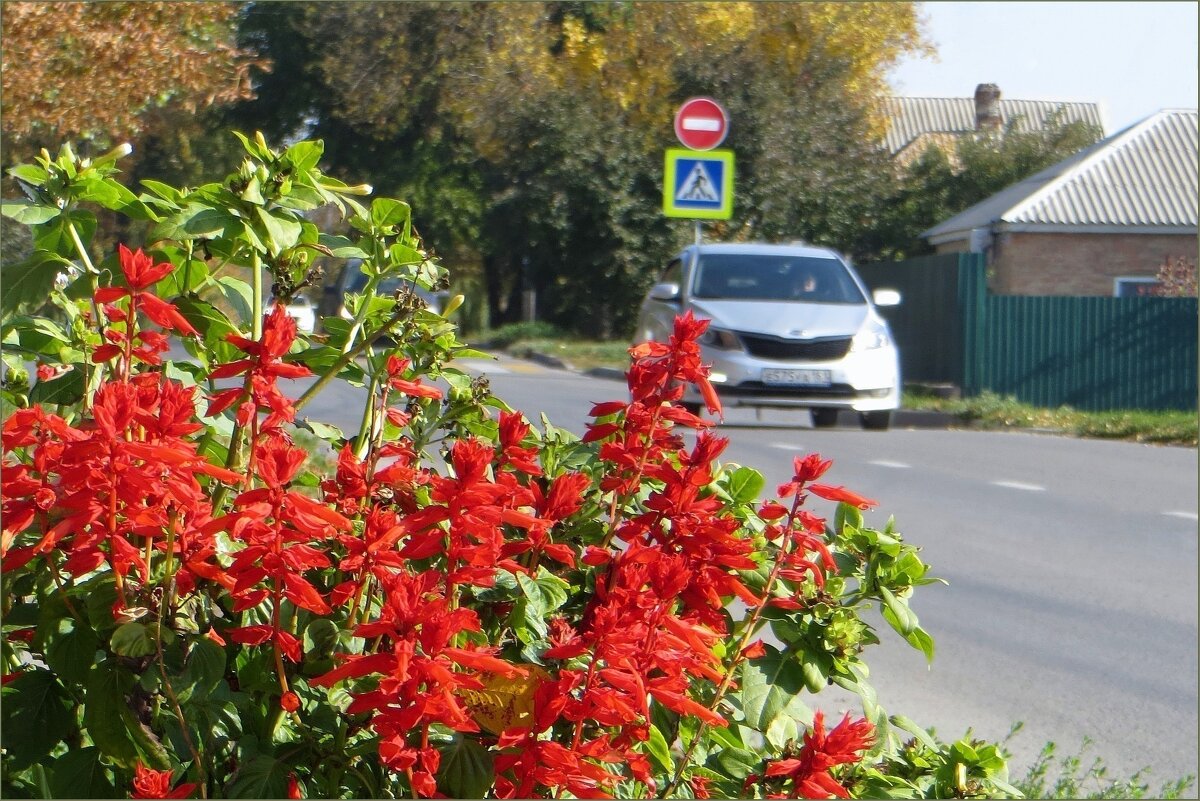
point(1185, 515)
point(783, 446)
point(886, 463)
point(1019, 485)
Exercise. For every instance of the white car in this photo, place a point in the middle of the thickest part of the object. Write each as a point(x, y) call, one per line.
point(791, 326)
point(304, 314)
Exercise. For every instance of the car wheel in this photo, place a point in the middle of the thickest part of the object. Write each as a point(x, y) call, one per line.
point(876, 421)
point(824, 418)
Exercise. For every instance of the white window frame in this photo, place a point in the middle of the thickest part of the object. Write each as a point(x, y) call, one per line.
point(1130, 280)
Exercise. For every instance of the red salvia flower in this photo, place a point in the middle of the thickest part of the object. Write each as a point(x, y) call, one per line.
point(150, 783)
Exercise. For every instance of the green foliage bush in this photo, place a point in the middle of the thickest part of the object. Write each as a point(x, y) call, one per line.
point(461, 604)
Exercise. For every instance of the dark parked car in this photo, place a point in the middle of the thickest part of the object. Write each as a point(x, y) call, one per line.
point(353, 279)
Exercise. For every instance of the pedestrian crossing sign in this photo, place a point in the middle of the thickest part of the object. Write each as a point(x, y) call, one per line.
point(698, 184)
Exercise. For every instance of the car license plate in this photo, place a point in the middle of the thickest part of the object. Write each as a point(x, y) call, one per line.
point(795, 378)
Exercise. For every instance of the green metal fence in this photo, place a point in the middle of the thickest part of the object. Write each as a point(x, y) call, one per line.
point(928, 324)
point(1091, 353)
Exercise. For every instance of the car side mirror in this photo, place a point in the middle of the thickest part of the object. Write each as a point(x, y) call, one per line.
point(667, 292)
point(886, 297)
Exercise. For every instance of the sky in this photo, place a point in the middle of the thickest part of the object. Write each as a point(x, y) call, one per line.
point(1133, 58)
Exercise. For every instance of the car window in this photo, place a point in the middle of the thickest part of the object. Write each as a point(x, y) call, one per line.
point(744, 276)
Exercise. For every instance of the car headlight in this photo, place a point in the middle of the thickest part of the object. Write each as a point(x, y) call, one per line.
point(720, 338)
point(872, 337)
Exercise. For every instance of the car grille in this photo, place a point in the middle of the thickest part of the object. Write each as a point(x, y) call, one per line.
point(807, 350)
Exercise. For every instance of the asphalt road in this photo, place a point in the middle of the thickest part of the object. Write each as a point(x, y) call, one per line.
point(1072, 569)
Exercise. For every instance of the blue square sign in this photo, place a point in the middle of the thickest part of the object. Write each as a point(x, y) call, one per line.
point(698, 185)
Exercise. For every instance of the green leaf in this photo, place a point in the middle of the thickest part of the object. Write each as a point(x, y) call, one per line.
point(194, 221)
point(105, 712)
point(555, 590)
point(186, 277)
point(897, 613)
point(321, 637)
point(39, 335)
point(205, 318)
point(71, 649)
point(205, 669)
point(815, 667)
point(737, 763)
point(164, 191)
point(34, 717)
point(745, 485)
point(263, 777)
point(920, 639)
point(282, 231)
point(66, 389)
point(81, 774)
point(387, 212)
point(659, 749)
point(30, 174)
point(27, 212)
point(466, 769)
point(27, 283)
point(239, 295)
point(99, 594)
point(55, 236)
point(133, 640)
point(305, 155)
point(112, 195)
point(253, 147)
point(401, 255)
point(846, 515)
point(321, 430)
point(771, 687)
point(901, 722)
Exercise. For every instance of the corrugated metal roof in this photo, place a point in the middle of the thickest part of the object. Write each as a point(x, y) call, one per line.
point(910, 117)
point(1143, 176)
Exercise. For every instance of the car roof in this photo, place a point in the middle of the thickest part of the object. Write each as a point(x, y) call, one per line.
point(764, 249)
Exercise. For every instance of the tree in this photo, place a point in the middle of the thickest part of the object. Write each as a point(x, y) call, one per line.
point(100, 72)
point(932, 189)
point(535, 131)
point(1176, 278)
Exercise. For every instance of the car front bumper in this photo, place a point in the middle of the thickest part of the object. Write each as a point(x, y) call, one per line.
point(864, 381)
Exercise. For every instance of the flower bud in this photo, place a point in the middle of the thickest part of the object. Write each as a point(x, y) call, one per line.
point(452, 305)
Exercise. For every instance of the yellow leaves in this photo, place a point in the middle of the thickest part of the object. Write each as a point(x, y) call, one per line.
point(504, 702)
point(717, 21)
point(76, 69)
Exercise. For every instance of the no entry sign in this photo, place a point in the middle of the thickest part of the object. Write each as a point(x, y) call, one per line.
point(701, 123)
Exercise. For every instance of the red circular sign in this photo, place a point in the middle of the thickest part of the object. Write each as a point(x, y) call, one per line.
point(701, 123)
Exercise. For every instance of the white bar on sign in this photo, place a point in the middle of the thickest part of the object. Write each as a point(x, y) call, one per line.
point(701, 124)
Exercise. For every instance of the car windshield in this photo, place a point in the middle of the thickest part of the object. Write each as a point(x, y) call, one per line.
point(745, 276)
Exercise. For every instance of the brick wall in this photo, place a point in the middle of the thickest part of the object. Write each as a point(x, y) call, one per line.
point(1079, 264)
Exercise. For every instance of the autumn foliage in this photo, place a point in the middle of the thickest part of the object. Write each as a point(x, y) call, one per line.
point(191, 609)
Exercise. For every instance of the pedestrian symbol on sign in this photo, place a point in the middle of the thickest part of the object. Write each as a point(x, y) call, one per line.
point(698, 186)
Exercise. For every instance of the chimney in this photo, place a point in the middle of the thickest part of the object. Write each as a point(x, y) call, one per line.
point(987, 107)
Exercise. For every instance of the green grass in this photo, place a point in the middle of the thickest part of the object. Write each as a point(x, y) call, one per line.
point(1072, 776)
point(993, 411)
point(988, 410)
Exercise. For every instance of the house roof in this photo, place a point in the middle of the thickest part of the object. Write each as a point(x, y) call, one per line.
point(911, 117)
point(1143, 178)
